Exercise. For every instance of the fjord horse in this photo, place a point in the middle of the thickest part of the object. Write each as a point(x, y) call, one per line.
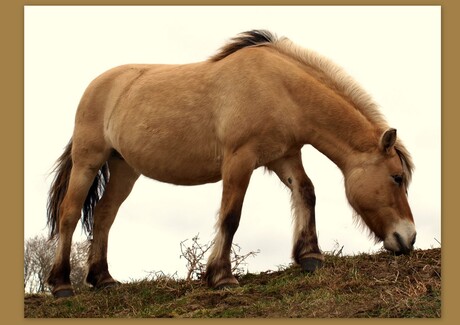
point(253, 104)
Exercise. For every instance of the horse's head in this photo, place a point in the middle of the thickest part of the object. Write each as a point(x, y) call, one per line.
point(376, 188)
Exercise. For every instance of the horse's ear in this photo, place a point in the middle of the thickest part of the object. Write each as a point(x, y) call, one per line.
point(388, 139)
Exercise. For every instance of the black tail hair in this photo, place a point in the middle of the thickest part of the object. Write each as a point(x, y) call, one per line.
point(59, 187)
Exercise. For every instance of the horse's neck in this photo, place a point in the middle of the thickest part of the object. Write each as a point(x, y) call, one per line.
point(338, 130)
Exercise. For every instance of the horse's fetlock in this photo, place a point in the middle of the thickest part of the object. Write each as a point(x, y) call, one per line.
point(218, 273)
point(98, 273)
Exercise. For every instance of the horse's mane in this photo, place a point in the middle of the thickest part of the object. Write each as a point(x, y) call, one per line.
point(334, 77)
point(246, 39)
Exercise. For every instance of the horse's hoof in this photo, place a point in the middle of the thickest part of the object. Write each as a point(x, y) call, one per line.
point(226, 286)
point(64, 293)
point(227, 283)
point(108, 285)
point(310, 264)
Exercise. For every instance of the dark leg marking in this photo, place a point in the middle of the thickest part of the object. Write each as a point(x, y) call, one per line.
point(97, 272)
point(222, 265)
point(308, 240)
point(58, 276)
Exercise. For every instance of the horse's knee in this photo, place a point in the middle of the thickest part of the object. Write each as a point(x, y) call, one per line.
point(229, 224)
point(307, 191)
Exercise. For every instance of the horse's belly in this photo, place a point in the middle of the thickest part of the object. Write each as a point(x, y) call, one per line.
point(182, 171)
point(184, 162)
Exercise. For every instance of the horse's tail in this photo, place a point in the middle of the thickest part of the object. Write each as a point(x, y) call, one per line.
point(59, 187)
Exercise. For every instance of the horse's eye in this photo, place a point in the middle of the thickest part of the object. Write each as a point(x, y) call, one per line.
point(398, 179)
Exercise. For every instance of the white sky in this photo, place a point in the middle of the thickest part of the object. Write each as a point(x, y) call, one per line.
point(394, 52)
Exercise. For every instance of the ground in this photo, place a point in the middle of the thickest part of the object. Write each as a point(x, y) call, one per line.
point(380, 285)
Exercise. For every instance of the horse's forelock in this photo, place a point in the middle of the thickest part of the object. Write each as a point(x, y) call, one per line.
point(406, 160)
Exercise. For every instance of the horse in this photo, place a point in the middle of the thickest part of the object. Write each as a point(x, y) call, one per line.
point(254, 103)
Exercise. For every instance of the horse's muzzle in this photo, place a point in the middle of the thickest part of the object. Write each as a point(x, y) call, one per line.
point(403, 247)
point(402, 239)
point(398, 245)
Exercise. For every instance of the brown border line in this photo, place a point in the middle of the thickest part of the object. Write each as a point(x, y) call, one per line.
point(12, 137)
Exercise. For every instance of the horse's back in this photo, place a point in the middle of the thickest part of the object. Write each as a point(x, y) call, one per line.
point(174, 123)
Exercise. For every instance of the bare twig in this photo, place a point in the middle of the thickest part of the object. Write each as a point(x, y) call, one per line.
point(196, 255)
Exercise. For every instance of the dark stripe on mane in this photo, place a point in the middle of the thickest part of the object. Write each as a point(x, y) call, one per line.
point(245, 39)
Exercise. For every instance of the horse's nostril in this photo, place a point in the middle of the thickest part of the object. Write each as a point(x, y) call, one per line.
point(403, 249)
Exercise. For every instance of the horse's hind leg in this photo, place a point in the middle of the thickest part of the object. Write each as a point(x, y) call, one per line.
point(121, 182)
point(236, 172)
point(305, 251)
point(84, 170)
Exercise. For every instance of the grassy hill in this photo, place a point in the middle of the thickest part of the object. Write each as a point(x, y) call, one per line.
point(364, 285)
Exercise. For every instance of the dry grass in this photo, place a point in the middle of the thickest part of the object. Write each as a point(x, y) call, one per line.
point(364, 285)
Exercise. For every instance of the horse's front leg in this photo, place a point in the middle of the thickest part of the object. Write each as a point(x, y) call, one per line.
point(236, 172)
point(305, 252)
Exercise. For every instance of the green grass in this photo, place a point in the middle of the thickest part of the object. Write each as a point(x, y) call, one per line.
point(364, 285)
